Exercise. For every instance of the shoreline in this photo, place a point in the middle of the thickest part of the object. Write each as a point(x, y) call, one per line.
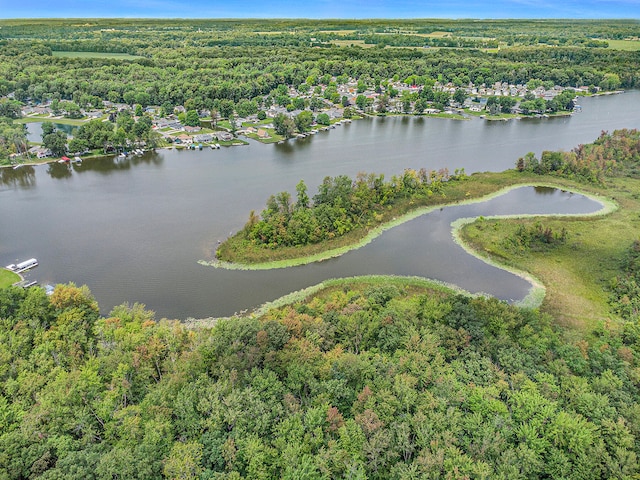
point(465, 115)
point(306, 293)
point(607, 207)
point(537, 292)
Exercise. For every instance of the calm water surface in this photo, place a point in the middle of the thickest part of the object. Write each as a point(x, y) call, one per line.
point(34, 130)
point(134, 231)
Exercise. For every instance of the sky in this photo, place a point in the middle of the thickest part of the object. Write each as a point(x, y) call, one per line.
point(349, 9)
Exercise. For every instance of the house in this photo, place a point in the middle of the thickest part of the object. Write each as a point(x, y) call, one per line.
point(251, 130)
point(190, 129)
point(40, 152)
point(185, 139)
point(203, 138)
point(262, 133)
point(224, 136)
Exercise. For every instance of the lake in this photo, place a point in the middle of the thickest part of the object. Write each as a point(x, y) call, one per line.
point(133, 231)
point(34, 130)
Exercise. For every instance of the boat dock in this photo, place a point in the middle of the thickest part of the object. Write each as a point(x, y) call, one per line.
point(23, 266)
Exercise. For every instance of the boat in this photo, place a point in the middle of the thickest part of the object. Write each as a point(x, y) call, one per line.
point(15, 167)
point(65, 159)
point(199, 146)
point(122, 155)
point(23, 266)
point(77, 160)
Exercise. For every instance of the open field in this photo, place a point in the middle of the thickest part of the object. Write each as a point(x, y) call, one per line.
point(629, 45)
point(352, 43)
point(116, 56)
point(434, 34)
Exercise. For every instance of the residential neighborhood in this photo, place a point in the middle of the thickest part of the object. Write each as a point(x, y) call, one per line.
point(289, 112)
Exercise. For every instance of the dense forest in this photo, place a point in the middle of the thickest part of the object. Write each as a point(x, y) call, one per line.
point(202, 61)
point(611, 154)
point(217, 69)
point(341, 205)
point(381, 379)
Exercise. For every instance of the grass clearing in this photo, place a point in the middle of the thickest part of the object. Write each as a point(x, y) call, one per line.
point(352, 43)
point(76, 122)
point(8, 278)
point(106, 55)
point(628, 45)
point(433, 34)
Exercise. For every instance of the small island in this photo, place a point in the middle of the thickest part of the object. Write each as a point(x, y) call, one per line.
point(346, 214)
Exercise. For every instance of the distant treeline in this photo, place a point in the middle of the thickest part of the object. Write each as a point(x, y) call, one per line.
point(204, 61)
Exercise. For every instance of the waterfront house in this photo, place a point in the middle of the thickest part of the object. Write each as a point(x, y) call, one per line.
point(185, 139)
point(203, 138)
point(40, 152)
point(224, 136)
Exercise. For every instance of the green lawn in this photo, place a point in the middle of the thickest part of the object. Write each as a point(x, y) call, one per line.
point(117, 56)
point(8, 278)
point(64, 121)
point(630, 45)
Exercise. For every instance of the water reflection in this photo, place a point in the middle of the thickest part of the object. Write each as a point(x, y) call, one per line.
point(545, 190)
point(21, 177)
point(34, 130)
point(59, 170)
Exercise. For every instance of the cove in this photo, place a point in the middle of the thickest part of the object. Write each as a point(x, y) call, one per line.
point(134, 231)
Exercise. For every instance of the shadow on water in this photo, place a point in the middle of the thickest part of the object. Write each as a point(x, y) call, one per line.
point(109, 164)
point(59, 170)
point(22, 177)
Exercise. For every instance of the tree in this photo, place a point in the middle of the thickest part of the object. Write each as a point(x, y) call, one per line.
point(303, 197)
point(10, 108)
point(420, 106)
point(226, 108)
point(192, 119)
point(406, 105)
point(459, 96)
point(56, 141)
point(184, 462)
point(284, 125)
point(323, 119)
point(383, 103)
point(246, 108)
point(304, 120)
point(298, 103)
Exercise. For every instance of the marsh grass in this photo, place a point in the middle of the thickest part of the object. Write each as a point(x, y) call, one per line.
point(576, 274)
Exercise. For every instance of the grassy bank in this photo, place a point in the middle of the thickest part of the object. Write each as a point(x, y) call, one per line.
point(236, 253)
point(8, 278)
point(412, 285)
point(578, 272)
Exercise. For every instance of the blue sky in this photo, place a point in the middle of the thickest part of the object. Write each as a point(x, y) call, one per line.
point(321, 9)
